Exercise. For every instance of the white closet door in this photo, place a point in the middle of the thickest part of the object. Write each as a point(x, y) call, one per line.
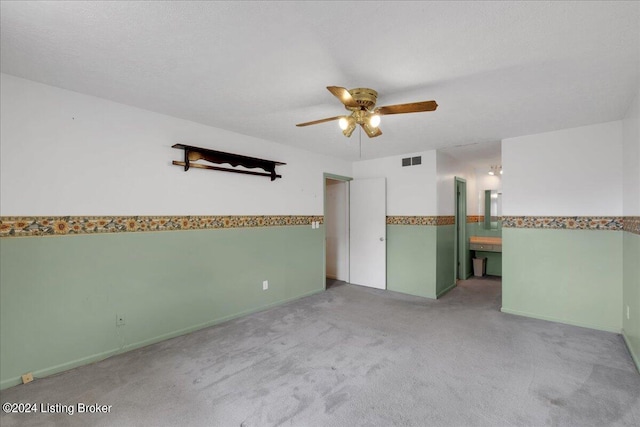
point(368, 239)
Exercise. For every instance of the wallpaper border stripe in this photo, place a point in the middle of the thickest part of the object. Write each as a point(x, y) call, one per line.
point(76, 225)
point(606, 223)
point(632, 224)
point(420, 220)
point(475, 218)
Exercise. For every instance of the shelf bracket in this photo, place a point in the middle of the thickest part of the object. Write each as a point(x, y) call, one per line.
point(186, 158)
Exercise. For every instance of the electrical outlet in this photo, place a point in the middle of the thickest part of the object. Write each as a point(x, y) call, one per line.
point(627, 312)
point(119, 319)
point(27, 378)
point(265, 285)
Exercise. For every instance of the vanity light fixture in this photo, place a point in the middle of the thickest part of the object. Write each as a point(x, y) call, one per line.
point(495, 170)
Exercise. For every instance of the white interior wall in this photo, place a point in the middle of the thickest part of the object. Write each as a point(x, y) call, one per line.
point(472, 191)
point(65, 153)
point(631, 159)
point(574, 172)
point(337, 229)
point(411, 190)
point(447, 169)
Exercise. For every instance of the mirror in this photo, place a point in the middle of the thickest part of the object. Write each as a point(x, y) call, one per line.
point(492, 209)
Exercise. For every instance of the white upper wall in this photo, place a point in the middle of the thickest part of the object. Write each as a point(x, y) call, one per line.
point(631, 159)
point(572, 172)
point(447, 169)
point(65, 153)
point(472, 192)
point(411, 190)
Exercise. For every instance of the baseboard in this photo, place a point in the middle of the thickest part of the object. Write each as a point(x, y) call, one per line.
point(45, 372)
point(332, 277)
point(52, 370)
point(634, 356)
point(444, 291)
point(565, 321)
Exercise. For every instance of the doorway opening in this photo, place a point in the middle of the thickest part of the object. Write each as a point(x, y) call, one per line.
point(461, 250)
point(336, 226)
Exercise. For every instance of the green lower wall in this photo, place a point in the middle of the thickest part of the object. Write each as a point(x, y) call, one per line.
point(420, 259)
point(411, 259)
point(569, 276)
point(631, 294)
point(445, 269)
point(59, 296)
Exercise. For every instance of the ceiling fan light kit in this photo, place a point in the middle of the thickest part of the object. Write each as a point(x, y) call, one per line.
point(374, 120)
point(348, 125)
point(362, 104)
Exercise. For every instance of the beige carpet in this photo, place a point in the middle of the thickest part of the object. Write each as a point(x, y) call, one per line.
point(354, 356)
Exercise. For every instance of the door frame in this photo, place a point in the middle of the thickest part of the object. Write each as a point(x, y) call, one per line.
point(334, 177)
point(460, 230)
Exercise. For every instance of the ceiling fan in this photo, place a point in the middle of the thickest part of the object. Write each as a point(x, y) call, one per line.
point(362, 104)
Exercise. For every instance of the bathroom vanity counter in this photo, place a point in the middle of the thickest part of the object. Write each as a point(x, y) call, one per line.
point(485, 244)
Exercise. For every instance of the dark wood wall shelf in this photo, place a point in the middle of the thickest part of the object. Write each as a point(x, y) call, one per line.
point(193, 154)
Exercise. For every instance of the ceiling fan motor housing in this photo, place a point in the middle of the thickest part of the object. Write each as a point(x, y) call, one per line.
point(365, 97)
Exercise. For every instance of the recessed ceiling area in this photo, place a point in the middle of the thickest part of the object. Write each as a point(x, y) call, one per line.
point(496, 69)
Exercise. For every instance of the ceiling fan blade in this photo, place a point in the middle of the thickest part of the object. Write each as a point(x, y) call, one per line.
point(371, 131)
point(413, 107)
point(344, 96)
point(315, 122)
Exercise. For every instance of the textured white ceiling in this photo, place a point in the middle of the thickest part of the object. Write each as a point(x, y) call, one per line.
point(496, 69)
